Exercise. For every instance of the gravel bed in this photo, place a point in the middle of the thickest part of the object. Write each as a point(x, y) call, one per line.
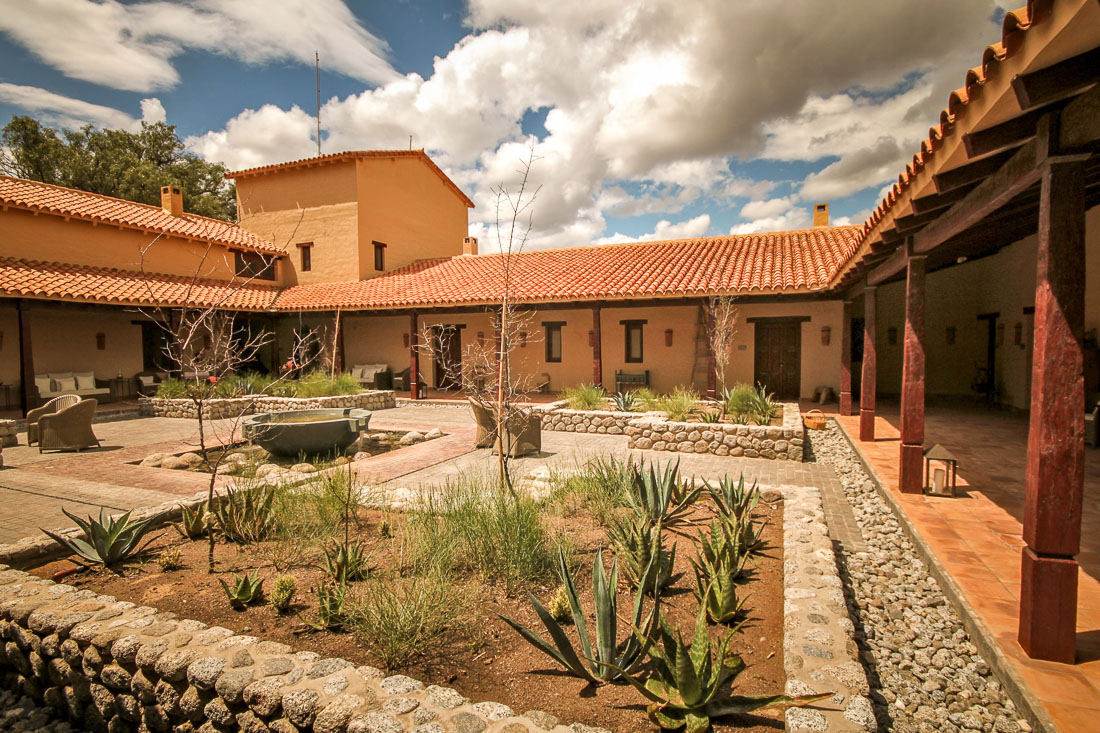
point(19, 713)
point(924, 672)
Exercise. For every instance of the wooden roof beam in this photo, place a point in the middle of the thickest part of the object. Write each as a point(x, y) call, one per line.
point(1009, 133)
point(934, 201)
point(971, 172)
point(1054, 82)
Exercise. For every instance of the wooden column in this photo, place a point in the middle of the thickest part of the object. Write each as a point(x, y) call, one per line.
point(867, 383)
point(414, 358)
point(712, 367)
point(338, 352)
point(597, 348)
point(28, 395)
point(846, 360)
point(911, 460)
point(1055, 446)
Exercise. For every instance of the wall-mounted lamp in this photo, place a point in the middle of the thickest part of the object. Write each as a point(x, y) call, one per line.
point(1000, 334)
point(826, 335)
point(523, 339)
point(1018, 334)
point(892, 335)
point(668, 337)
point(591, 337)
point(950, 334)
point(101, 341)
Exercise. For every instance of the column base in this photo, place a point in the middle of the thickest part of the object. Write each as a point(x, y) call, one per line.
point(866, 424)
point(846, 403)
point(1048, 607)
point(911, 469)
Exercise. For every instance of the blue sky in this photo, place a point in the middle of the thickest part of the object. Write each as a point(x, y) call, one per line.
point(647, 119)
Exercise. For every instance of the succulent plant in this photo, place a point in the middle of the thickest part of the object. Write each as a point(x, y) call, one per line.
point(245, 590)
point(193, 521)
point(344, 563)
point(247, 514)
point(660, 498)
point(716, 592)
point(623, 401)
point(331, 613)
point(170, 559)
point(640, 547)
point(282, 595)
point(684, 687)
point(720, 546)
point(607, 660)
point(558, 607)
point(108, 541)
point(709, 416)
point(733, 498)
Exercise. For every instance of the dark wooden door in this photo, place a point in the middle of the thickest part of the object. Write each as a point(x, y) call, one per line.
point(778, 363)
point(448, 362)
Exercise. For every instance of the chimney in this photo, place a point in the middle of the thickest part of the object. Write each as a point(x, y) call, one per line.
point(469, 245)
point(821, 215)
point(171, 200)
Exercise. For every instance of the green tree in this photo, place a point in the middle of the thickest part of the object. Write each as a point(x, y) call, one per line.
point(128, 165)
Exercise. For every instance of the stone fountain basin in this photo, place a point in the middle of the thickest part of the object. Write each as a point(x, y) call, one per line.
point(306, 431)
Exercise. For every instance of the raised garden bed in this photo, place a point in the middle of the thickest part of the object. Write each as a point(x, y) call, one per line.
point(216, 409)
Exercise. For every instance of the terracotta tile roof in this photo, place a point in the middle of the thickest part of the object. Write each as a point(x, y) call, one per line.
point(355, 155)
point(30, 278)
point(35, 196)
point(796, 261)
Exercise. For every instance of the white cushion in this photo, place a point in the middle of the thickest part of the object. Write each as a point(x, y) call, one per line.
point(61, 375)
point(66, 385)
point(147, 381)
point(43, 383)
point(85, 381)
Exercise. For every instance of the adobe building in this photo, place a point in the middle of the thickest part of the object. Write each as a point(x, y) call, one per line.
point(978, 276)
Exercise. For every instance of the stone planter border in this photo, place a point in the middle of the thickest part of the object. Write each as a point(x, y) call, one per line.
point(217, 409)
point(781, 443)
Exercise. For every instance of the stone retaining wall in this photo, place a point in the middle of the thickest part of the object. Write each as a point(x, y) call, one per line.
point(231, 408)
point(110, 665)
point(781, 443)
point(587, 421)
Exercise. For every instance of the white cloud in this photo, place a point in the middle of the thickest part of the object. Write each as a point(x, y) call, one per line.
point(792, 217)
point(649, 103)
point(687, 229)
point(68, 112)
point(131, 46)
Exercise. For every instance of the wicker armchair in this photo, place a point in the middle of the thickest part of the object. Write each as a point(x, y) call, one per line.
point(68, 429)
point(486, 425)
point(57, 404)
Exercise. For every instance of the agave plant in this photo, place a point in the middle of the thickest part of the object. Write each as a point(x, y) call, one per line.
point(193, 521)
point(345, 563)
point(733, 498)
point(623, 656)
point(645, 560)
point(709, 416)
point(720, 547)
point(245, 589)
point(684, 688)
point(108, 541)
point(660, 498)
point(247, 514)
point(716, 591)
point(624, 401)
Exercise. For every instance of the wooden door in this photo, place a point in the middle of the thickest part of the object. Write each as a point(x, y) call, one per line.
point(448, 361)
point(778, 362)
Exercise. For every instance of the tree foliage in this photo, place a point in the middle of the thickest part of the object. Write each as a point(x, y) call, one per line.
point(127, 165)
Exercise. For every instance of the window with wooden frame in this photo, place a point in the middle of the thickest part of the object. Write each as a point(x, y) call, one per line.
point(553, 341)
point(634, 351)
point(305, 251)
point(379, 256)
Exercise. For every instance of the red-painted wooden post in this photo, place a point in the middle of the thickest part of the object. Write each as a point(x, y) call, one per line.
point(28, 395)
point(597, 348)
point(911, 460)
point(846, 360)
point(414, 358)
point(1056, 443)
point(867, 383)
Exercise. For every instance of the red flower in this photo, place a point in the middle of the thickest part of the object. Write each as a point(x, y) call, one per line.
point(213, 380)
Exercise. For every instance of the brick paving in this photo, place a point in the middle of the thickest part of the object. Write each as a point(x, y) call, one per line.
point(977, 537)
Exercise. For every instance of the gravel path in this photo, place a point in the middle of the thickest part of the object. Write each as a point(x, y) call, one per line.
point(925, 674)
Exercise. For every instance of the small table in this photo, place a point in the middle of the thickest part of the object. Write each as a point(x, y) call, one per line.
point(120, 388)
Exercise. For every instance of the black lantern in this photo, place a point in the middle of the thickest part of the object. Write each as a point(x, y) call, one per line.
point(941, 471)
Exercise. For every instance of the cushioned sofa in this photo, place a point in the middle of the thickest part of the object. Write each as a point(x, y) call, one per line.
point(84, 384)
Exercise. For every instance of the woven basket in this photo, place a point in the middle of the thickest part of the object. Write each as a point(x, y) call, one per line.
point(814, 420)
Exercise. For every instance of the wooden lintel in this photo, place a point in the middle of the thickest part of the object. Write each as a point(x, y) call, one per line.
point(1053, 82)
point(1018, 173)
point(908, 224)
point(891, 236)
point(1007, 134)
point(970, 172)
point(890, 267)
point(934, 201)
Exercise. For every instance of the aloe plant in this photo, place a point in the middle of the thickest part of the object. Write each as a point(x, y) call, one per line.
point(709, 416)
point(684, 688)
point(245, 589)
point(621, 656)
point(660, 497)
point(716, 592)
point(331, 613)
point(193, 521)
point(108, 541)
point(345, 563)
point(624, 401)
point(247, 514)
point(640, 546)
point(733, 498)
point(721, 546)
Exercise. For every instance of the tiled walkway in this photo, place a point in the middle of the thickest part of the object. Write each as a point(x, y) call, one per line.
point(977, 537)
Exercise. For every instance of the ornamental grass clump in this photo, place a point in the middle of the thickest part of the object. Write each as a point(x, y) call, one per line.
point(684, 687)
point(608, 659)
point(598, 486)
point(745, 403)
point(585, 397)
point(679, 404)
point(108, 541)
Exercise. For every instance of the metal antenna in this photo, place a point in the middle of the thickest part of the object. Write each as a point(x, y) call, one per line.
point(410, 142)
point(317, 80)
